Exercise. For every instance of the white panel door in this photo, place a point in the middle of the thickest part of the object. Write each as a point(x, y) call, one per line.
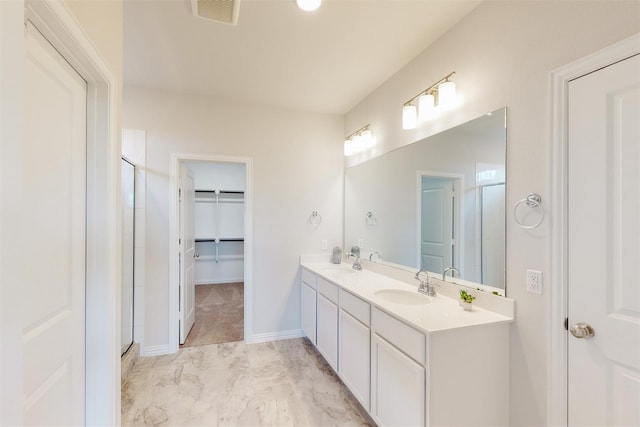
point(436, 224)
point(55, 204)
point(187, 254)
point(604, 246)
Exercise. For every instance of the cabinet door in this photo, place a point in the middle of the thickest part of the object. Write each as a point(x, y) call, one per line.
point(327, 327)
point(397, 386)
point(309, 312)
point(355, 357)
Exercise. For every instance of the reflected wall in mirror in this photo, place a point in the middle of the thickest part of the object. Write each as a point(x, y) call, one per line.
point(437, 203)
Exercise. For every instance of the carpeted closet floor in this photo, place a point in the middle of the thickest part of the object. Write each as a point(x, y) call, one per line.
point(219, 315)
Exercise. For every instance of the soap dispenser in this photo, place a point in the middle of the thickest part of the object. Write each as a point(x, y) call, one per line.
point(337, 255)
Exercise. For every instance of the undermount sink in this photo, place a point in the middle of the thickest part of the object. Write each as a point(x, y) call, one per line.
point(400, 296)
point(339, 271)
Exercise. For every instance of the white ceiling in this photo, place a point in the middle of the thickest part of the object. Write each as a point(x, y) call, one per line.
point(324, 61)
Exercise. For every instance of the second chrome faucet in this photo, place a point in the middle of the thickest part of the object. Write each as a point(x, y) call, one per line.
point(426, 287)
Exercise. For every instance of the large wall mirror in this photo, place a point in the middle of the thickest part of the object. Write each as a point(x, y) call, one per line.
point(436, 203)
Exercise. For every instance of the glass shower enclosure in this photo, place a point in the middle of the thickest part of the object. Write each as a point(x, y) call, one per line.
point(128, 229)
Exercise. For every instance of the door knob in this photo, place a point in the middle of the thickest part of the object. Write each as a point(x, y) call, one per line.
point(582, 330)
point(196, 255)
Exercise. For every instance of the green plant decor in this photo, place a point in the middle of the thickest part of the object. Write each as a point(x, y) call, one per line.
point(465, 296)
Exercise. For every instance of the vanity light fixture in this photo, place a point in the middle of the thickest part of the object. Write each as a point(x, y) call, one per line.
point(308, 5)
point(439, 96)
point(358, 141)
point(409, 120)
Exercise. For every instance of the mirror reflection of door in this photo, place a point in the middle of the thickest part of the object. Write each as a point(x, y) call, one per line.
point(437, 224)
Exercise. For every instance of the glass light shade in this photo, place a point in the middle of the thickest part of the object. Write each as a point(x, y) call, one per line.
point(367, 139)
point(447, 95)
point(348, 148)
point(308, 5)
point(409, 117)
point(358, 143)
point(426, 107)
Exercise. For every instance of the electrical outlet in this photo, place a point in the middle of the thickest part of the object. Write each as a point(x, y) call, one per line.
point(534, 282)
point(323, 244)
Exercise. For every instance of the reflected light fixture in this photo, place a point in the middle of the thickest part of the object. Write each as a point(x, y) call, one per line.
point(308, 5)
point(439, 96)
point(358, 141)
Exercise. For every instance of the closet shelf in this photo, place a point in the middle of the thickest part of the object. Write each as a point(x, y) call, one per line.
point(222, 239)
point(221, 191)
point(221, 200)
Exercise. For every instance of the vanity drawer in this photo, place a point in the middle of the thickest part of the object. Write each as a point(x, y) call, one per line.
point(328, 289)
point(404, 337)
point(308, 277)
point(356, 307)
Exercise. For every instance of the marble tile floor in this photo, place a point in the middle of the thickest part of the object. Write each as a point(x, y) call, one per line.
point(219, 314)
point(278, 383)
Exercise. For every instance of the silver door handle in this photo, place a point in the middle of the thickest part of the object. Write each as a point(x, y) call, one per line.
point(582, 330)
point(196, 255)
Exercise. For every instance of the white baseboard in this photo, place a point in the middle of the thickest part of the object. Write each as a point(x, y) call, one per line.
point(275, 336)
point(155, 350)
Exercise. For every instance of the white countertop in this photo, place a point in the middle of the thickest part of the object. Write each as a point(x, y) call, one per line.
point(441, 313)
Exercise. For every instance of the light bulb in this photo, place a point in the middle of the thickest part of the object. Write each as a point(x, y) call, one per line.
point(409, 117)
point(447, 95)
point(367, 139)
point(358, 143)
point(348, 148)
point(426, 106)
point(308, 5)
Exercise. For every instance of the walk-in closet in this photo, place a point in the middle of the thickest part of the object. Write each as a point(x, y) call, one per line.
point(218, 269)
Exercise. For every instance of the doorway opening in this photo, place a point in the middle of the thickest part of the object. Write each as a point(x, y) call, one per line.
point(218, 259)
point(212, 229)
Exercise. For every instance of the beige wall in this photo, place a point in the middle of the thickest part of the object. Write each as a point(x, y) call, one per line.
point(503, 53)
point(297, 168)
point(103, 22)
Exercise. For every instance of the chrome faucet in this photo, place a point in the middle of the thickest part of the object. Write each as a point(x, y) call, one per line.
point(426, 287)
point(452, 270)
point(356, 263)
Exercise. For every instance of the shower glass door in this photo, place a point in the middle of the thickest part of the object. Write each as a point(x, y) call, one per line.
point(128, 210)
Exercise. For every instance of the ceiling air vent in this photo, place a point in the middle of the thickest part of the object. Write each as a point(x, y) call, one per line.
point(225, 11)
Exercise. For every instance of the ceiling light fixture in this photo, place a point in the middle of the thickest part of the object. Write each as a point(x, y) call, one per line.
point(308, 5)
point(358, 141)
point(439, 96)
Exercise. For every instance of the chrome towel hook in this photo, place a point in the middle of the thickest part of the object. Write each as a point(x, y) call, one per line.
point(533, 201)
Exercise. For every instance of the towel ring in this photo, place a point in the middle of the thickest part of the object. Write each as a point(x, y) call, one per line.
point(315, 219)
point(533, 200)
point(371, 219)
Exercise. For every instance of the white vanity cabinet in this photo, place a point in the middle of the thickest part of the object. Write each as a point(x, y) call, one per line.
point(327, 321)
point(402, 371)
point(308, 297)
point(354, 346)
point(398, 375)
